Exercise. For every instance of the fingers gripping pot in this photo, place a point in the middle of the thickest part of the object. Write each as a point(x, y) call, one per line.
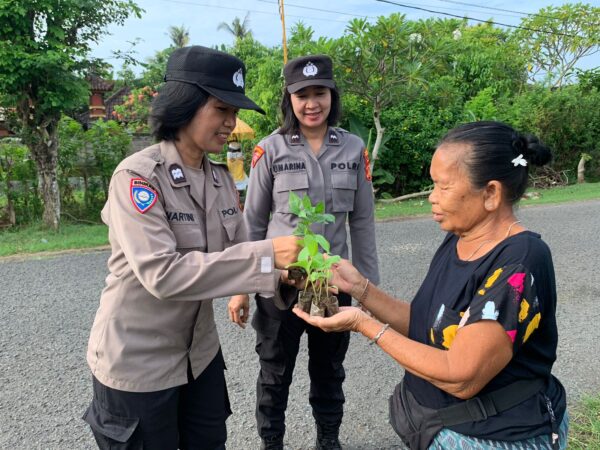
point(312, 266)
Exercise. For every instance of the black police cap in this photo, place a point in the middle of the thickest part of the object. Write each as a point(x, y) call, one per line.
point(218, 73)
point(315, 70)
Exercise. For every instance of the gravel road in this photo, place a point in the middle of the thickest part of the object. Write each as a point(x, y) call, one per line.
point(47, 306)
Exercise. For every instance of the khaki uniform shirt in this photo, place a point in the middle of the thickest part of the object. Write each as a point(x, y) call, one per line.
point(338, 176)
point(168, 261)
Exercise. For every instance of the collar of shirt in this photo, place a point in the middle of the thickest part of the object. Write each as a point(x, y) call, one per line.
point(176, 168)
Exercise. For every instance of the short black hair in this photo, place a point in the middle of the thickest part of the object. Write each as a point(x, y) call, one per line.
point(289, 121)
point(493, 147)
point(174, 107)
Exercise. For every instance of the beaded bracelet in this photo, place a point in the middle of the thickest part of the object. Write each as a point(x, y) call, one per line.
point(378, 335)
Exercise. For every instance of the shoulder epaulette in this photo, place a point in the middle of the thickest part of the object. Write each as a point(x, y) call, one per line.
point(142, 162)
point(219, 164)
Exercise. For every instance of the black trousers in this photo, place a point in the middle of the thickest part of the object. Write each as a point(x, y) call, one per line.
point(191, 416)
point(278, 336)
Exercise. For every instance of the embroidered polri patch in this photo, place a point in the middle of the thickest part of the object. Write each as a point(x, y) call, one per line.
point(258, 152)
point(143, 195)
point(367, 165)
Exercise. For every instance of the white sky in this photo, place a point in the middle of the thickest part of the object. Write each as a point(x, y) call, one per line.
point(202, 17)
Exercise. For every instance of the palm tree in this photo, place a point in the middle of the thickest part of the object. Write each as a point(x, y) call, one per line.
point(179, 35)
point(238, 28)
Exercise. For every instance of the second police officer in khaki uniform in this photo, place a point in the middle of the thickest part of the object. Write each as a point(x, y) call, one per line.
point(174, 221)
point(308, 156)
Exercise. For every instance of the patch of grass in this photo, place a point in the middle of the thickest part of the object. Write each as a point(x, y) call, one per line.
point(34, 238)
point(412, 207)
point(560, 194)
point(584, 426)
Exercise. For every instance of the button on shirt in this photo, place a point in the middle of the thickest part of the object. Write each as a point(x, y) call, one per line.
point(338, 176)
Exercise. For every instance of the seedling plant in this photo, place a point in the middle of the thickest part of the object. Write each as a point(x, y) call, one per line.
point(311, 265)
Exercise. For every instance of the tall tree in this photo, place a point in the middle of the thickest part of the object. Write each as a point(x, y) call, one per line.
point(380, 61)
point(180, 36)
point(238, 28)
point(44, 54)
point(556, 38)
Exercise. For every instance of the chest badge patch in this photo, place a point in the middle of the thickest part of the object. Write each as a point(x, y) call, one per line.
point(143, 196)
point(258, 153)
point(177, 174)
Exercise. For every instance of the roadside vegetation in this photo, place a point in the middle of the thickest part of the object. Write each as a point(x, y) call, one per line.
point(35, 238)
point(584, 427)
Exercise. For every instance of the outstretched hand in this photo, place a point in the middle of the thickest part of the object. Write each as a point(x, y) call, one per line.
point(349, 318)
point(346, 277)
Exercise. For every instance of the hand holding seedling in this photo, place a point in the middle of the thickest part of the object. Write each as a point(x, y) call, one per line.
point(348, 318)
point(285, 250)
point(346, 278)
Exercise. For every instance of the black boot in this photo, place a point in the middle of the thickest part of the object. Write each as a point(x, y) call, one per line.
point(327, 437)
point(272, 443)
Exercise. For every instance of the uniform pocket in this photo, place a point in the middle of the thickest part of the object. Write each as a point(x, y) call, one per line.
point(344, 187)
point(231, 226)
point(111, 431)
point(286, 182)
point(189, 236)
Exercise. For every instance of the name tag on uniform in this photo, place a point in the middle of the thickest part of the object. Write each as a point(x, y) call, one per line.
point(180, 217)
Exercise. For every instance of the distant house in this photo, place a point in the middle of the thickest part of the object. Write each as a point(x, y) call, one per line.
point(99, 107)
point(4, 129)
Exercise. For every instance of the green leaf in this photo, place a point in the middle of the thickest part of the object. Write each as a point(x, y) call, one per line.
point(304, 254)
point(311, 244)
point(295, 203)
point(328, 218)
point(331, 261)
point(322, 242)
point(303, 264)
point(306, 203)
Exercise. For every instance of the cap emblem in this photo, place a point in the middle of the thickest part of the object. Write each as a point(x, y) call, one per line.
point(238, 78)
point(310, 70)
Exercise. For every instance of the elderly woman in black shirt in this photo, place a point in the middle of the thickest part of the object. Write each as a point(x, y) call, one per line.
point(479, 339)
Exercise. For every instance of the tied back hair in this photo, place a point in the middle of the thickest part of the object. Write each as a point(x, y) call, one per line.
point(492, 147)
point(174, 107)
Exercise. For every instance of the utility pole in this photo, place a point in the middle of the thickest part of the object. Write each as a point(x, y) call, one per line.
point(282, 15)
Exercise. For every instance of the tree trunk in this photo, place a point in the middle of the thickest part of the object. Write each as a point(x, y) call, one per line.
point(405, 197)
point(86, 190)
point(581, 169)
point(10, 207)
point(380, 131)
point(44, 149)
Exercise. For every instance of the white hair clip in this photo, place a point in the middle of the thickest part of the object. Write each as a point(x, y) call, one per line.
point(519, 161)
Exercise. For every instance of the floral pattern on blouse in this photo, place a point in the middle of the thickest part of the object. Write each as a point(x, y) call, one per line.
point(507, 295)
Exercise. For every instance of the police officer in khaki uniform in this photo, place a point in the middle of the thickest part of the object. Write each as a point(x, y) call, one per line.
point(307, 155)
point(176, 234)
